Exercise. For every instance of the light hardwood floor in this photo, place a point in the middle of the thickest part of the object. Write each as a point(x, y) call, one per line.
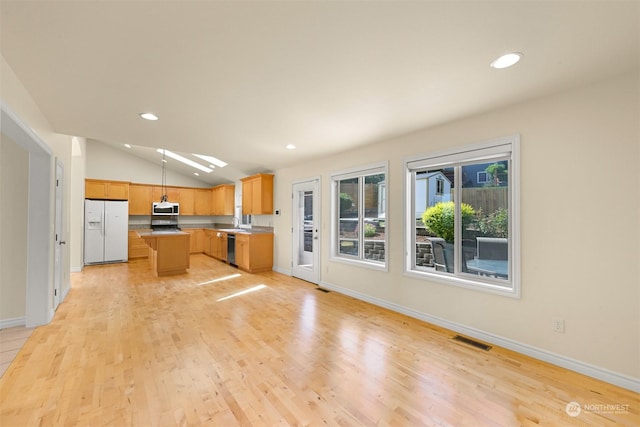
point(221, 347)
point(11, 341)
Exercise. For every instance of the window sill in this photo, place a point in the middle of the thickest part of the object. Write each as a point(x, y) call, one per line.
point(361, 263)
point(510, 290)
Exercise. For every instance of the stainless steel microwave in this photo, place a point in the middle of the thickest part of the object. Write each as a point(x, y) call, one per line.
point(165, 208)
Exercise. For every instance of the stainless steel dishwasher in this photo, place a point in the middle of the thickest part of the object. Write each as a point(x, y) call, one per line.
point(231, 248)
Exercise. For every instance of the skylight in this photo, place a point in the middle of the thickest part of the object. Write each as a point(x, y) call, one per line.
point(217, 162)
point(184, 160)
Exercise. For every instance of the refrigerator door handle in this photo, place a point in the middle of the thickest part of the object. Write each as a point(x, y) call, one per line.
point(103, 221)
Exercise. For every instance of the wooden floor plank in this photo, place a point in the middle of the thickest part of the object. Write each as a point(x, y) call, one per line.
point(221, 347)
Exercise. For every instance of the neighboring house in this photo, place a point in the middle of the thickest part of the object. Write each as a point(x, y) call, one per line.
point(476, 175)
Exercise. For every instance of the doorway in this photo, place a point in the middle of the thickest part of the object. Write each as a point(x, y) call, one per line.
point(59, 236)
point(306, 226)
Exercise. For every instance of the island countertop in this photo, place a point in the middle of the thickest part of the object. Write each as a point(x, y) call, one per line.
point(159, 233)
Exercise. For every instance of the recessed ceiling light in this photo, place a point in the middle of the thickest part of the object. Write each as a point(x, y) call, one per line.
point(149, 116)
point(127, 145)
point(184, 160)
point(507, 60)
point(212, 160)
point(196, 174)
point(290, 147)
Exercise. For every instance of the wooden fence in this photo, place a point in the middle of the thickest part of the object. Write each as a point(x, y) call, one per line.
point(486, 198)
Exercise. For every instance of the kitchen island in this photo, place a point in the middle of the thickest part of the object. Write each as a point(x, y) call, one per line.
point(168, 251)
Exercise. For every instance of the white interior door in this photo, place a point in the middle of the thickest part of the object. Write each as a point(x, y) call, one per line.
point(59, 234)
point(306, 227)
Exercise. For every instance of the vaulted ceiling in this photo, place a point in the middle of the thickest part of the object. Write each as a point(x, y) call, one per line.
point(240, 80)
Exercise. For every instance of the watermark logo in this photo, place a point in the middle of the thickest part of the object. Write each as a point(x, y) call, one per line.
point(573, 409)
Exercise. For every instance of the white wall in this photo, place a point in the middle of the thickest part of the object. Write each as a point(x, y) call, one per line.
point(14, 166)
point(106, 162)
point(580, 228)
point(17, 98)
point(78, 170)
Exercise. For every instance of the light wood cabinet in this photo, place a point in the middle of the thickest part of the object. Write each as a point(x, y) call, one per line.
point(223, 199)
point(219, 245)
point(172, 193)
point(106, 190)
point(196, 244)
point(254, 252)
point(203, 201)
point(140, 199)
point(208, 238)
point(137, 246)
point(187, 198)
point(257, 194)
point(168, 253)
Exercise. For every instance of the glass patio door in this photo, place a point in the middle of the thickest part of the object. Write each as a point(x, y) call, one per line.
point(306, 226)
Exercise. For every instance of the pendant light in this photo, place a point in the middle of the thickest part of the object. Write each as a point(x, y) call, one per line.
point(164, 199)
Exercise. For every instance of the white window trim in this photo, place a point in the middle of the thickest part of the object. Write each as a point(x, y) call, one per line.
point(496, 148)
point(335, 216)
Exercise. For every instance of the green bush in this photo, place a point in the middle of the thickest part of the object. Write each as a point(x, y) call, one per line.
point(438, 219)
point(496, 224)
point(345, 203)
point(369, 230)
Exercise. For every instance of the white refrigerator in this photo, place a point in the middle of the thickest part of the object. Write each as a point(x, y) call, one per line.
point(106, 231)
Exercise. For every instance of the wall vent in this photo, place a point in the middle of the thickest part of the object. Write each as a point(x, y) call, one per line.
point(471, 342)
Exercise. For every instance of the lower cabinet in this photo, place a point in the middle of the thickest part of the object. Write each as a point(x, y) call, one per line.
point(219, 245)
point(137, 246)
point(208, 240)
point(254, 252)
point(196, 245)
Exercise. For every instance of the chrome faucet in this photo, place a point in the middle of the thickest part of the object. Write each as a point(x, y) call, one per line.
point(235, 222)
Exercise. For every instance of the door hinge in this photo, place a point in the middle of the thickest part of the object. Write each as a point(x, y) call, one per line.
point(57, 182)
point(55, 292)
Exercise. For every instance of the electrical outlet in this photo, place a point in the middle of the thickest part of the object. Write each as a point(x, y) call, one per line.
point(558, 325)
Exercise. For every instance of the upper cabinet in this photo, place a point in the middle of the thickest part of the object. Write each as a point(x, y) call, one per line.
point(219, 200)
point(140, 199)
point(223, 199)
point(257, 194)
point(203, 201)
point(107, 190)
point(171, 192)
point(187, 200)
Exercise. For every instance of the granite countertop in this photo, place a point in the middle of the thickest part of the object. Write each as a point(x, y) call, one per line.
point(227, 228)
point(159, 233)
point(236, 230)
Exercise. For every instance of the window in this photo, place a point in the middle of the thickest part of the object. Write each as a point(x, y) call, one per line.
point(483, 177)
point(359, 200)
point(464, 231)
point(439, 186)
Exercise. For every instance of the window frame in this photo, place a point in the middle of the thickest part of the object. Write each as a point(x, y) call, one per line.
point(487, 151)
point(358, 172)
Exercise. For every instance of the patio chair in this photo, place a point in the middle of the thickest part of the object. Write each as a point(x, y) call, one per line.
point(442, 257)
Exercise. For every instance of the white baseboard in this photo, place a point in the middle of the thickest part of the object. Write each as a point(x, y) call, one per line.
point(282, 271)
point(602, 374)
point(11, 323)
point(75, 269)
